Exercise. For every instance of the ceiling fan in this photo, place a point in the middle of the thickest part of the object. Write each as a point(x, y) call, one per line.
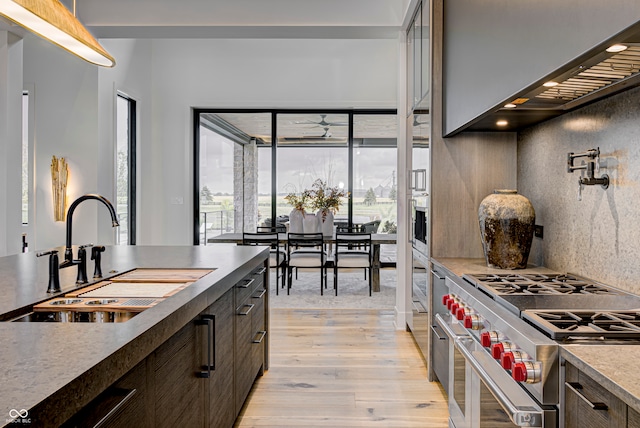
point(325, 137)
point(323, 123)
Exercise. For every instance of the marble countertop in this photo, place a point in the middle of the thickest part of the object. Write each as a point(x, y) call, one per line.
point(615, 367)
point(461, 266)
point(50, 366)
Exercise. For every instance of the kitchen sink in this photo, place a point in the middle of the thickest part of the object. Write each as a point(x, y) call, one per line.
point(76, 317)
point(115, 300)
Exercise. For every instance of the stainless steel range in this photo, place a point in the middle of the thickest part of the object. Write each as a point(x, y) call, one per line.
point(504, 368)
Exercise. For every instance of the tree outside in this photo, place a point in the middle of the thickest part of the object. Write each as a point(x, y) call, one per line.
point(370, 197)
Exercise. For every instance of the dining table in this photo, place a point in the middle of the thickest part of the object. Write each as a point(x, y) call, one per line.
point(377, 239)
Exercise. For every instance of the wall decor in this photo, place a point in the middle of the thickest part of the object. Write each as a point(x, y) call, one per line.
point(59, 179)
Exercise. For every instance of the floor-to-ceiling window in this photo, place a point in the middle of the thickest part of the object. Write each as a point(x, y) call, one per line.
point(241, 176)
point(126, 169)
point(233, 172)
point(375, 191)
point(310, 147)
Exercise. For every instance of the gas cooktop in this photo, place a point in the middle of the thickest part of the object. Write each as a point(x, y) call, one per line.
point(606, 324)
point(520, 292)
point(538, 284)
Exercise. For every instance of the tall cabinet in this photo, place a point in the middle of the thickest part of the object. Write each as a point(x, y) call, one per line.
point(465, 169)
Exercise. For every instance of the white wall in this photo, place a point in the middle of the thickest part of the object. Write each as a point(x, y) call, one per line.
point(184, 73)
point(10, 143)
point(66, 124)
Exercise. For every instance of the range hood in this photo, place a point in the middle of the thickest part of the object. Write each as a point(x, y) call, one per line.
point(600, 73)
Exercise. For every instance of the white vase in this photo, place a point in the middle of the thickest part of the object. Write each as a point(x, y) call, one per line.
point(310, 223)
point(296, 218)
point(325, 221)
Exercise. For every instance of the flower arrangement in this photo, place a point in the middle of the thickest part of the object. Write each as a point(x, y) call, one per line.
point(324, 197)
point(298, 201)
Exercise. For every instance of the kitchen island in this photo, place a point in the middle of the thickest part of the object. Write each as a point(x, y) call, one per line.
point(51, 371)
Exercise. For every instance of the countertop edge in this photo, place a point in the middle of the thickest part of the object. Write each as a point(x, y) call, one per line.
point(591, 361)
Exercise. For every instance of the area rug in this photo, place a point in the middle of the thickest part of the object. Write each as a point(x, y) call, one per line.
point(353, 291)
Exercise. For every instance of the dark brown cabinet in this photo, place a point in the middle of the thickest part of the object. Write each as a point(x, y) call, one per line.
point(250, 333)
point(178, 385)
point(221, 406)
point(202, 375)
point(589, 405)
point(125, 403)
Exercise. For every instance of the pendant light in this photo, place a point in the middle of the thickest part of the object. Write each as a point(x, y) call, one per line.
point(51, 20)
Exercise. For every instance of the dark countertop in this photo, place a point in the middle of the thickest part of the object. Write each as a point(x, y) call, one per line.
point(47, 367)
point(615, 367)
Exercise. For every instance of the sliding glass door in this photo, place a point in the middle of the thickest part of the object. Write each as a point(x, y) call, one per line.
point(241, 177)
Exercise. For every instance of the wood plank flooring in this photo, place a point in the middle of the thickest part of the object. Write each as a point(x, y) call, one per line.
point(343, 368)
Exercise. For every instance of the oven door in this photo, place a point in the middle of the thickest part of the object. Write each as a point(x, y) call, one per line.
point(482, 394)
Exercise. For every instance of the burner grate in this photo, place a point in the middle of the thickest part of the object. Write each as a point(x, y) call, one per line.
point(538, 284)
point(588, 323)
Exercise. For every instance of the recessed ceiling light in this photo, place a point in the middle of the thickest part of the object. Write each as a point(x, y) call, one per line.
point(550, 84)
point(510, 105)
point(502, 123)
point(617, 48)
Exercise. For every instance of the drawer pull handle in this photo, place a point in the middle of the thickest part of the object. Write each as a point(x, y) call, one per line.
point(261, 271)
point(209, 321)
point(576, 388)
point(262, 293)
point(247, 311)
point(246, 283)
point(433, 328)
point(261, 335)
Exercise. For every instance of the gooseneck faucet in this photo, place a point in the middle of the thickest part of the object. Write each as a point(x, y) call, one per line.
point(82, 254)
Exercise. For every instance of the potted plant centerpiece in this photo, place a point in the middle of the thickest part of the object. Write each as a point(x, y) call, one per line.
point(327, 201)
point(299, 203)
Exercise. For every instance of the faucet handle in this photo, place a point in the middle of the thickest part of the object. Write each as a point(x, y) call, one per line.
point(46, 253)
point(85, 246)
point(579, 189)
point(96, 255)
point(54, 267)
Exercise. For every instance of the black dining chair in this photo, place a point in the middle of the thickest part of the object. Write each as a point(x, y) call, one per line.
point(353, 250)
point(277, 255)
point(306, 250)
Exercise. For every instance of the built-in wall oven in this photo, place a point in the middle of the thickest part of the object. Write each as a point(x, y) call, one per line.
point(419, 211)
point(419, 322)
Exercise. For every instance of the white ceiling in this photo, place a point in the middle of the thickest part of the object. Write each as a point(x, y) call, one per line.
point(242, 18)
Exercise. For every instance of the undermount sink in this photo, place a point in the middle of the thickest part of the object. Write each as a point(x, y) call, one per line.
point(115, 300)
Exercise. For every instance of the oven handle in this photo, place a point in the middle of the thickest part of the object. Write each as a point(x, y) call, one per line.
point(529, 415)
point(449, 330)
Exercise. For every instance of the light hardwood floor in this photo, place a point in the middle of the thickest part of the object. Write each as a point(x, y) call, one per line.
point(343, 368)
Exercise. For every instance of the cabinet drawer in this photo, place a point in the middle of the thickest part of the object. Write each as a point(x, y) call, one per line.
point(588, 404)
point(247, 286)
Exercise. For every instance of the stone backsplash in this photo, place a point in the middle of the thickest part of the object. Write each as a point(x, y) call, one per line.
point(599, 236)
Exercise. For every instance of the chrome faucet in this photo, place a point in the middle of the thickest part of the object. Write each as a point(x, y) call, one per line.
point(82, 253)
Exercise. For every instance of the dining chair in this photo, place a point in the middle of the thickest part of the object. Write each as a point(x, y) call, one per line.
point(277, 255)
point(353, 250)
point(306, 250)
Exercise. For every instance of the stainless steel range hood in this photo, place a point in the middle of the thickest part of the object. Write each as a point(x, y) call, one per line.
point(591, 77)
point(601, 75)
